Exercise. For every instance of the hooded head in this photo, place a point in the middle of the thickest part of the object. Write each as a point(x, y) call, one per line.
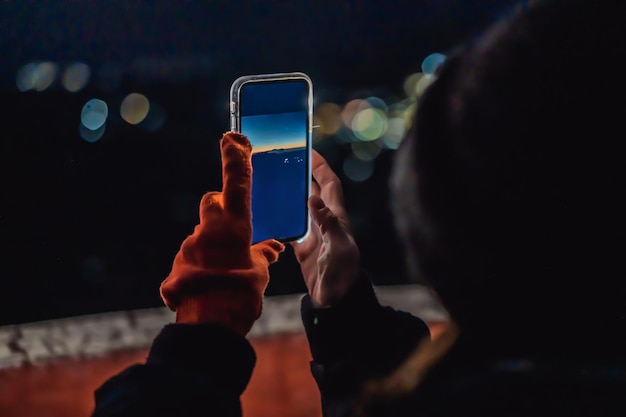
point(508, 190)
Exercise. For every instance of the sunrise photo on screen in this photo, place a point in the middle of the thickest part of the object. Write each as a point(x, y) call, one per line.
point(279, 176)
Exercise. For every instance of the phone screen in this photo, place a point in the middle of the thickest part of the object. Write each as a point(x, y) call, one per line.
point(275, 118)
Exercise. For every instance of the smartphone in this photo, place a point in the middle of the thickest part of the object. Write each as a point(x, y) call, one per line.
point(275, 112)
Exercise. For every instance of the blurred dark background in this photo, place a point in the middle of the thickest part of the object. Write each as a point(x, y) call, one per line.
point(95, 204)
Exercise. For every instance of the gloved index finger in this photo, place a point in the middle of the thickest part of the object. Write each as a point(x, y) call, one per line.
point(236, 174)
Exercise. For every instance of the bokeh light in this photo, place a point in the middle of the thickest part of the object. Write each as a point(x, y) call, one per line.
point(369, 124)
point(408, 115)
point(350, 110)
point(423, 83)
point(410, 84)
point(345, 136)
point(356, 169)
point(36, 76)
point(89, 135)
point(76, 76)
point(155, 118)
point(377, 103)
point(328, 117)
point(94, 114)
point(365, 151)
point(134, 108)
point(432, 62)
point(396, 128)
point(26, 77)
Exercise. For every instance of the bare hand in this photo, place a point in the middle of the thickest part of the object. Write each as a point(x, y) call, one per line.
point(329, 257)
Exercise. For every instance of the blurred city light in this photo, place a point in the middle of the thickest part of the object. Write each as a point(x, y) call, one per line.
point(94, 114)
point(134, 108)
point(432, 62)
point(328, 117)
point(76, 76)
point(365, 151)
point(396, 127)
point(369, 124)
point(155, 119)
point(423, 83)
point(356, 169)
point(89, 135)
point(410, 84)
point(36, 76)
point(345, 136)
point(377, 103)
point(26, 77)
point(351, 109)
point(408, 115)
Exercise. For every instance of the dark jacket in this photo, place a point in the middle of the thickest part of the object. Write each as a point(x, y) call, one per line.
point(358, 342)
point(201, 370)
point(192, 370)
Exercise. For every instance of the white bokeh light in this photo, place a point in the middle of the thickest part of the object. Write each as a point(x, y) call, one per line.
point(369, 124)
point(36, 76)
point(76, 76)
point(94, 114)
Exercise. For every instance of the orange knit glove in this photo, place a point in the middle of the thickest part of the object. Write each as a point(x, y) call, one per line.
point(217, 276)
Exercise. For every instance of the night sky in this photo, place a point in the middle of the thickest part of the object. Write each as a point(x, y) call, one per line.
point(91, 221)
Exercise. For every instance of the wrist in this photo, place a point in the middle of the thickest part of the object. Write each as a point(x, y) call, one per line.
point(234, 309)
point(322, 299)
point(359, 294)
point(332, 328)
point(337, 292)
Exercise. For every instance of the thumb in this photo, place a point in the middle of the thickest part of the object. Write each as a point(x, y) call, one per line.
point(267, 250)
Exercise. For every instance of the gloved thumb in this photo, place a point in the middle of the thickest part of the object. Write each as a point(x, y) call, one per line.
point(268, 250)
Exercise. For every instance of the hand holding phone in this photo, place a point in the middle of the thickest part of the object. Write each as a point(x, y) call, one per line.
point(274, 112)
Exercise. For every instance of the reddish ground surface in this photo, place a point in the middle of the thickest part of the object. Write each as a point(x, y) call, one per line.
point(281, 384)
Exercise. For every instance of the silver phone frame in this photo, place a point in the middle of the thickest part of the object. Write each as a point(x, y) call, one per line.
point(235, 121)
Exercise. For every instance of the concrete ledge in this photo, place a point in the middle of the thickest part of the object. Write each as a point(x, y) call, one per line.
point(101, 334)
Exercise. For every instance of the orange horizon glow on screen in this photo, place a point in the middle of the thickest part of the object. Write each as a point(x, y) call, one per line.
point(256, 149)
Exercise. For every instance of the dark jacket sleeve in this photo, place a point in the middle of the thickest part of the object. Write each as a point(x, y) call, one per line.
point(192, 370)
point(355, 340)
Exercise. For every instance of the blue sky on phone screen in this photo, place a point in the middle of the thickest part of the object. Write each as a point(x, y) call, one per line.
point(267, 132)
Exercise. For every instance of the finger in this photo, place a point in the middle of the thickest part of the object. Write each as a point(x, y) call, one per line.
point(321, 171)
point(236, 173)
point(268, 250)
point(315, 189)
point(329, 183)
point(327, 221)
point(211, 203)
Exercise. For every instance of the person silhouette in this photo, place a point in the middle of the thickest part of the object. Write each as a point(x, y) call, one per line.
point(507, 192)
